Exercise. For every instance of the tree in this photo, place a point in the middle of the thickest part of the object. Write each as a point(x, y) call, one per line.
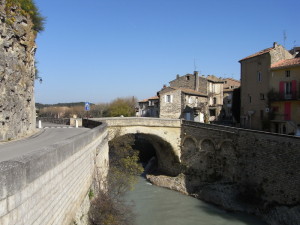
point(122, 107)
point(108, 207)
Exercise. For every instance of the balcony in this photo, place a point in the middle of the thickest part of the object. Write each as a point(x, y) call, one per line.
point(277, 96)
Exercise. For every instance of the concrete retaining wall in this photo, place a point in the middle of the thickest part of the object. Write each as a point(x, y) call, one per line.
point(48, 186)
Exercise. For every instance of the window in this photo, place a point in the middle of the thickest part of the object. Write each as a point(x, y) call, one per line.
point(287, 90)
point(287, 73)
point(215, 101)
point(212, 112)
point(259, 76)
point(187, 77)
point(262, 96)
point(249, 99)
point(169, 98)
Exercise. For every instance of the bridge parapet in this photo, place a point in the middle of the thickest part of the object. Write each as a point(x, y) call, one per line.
point(48, 185)
point(139, 121)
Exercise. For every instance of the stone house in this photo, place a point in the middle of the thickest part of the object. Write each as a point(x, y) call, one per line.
point(176, 102)
point(229, 86)
point(149, 107)
point(255, 85)
point(284, 96)
point(210, 86)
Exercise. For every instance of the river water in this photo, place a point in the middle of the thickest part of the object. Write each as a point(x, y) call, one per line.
point(159, 206)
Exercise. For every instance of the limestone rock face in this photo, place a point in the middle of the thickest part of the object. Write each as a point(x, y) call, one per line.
point(17, 74)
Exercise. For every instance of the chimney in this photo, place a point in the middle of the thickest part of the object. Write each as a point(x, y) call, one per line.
point(275, 44)
point(177, 76)
point(164, 86)
point(196, 73)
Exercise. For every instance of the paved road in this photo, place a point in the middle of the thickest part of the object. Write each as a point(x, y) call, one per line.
point(44, 137)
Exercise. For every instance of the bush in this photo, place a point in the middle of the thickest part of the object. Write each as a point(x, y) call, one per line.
point(109, 207)
point(27, 7)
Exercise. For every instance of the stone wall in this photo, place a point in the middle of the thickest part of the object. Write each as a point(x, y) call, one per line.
point(173, 109)
point(49, 185)
point(17, 74)
point(257, 169)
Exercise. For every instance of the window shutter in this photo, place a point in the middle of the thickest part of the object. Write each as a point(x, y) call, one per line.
point(281, 89)
point(166, 96)
point(171, 98)
point(287, 111)
point(294, 88)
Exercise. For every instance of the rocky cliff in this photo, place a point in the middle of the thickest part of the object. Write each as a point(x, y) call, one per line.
point(17, 73)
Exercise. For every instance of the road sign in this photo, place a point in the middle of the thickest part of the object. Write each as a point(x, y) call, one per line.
point(87, 106)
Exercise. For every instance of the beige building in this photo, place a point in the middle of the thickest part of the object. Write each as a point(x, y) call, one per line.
point(285, 96)
point(255, 85)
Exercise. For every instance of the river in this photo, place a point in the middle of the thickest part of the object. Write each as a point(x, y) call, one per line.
point(159, 206)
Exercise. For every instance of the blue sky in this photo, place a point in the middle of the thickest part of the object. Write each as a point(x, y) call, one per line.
point(98, 50)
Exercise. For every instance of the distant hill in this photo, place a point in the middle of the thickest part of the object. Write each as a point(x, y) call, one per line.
point(40, 105)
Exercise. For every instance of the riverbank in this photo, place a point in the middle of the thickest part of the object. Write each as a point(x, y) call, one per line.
point(156, 205)
point(228, 197)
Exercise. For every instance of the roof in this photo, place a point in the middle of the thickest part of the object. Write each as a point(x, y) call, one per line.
point(229, 78)
point(152, 98)
point(286, 63)
point(189, 91)
point(214, 79)
point(267, 50)
point(229, 89)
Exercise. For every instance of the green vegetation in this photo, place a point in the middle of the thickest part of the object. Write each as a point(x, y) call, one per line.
point(118, 107)
point(109, 207)
point(26, 8)
point(122, 107)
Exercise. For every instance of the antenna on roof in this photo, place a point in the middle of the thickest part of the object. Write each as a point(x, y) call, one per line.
point(195, 67)
point(284, 37)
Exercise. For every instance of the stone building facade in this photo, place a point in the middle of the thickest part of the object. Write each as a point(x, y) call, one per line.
point(148, 107)
point(17, 75)
point(210, 86)
point(184, 103)
point(255, 85)
point(229, 86)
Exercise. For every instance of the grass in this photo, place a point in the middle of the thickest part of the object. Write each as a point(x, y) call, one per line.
point(26, 8)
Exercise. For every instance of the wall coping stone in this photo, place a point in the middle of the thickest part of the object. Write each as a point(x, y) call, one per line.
point(18, 172)
point(233, 129)
point(139, 121)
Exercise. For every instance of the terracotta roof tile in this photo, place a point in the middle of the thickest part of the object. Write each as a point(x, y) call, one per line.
point(214, 79)
point(286, 63)
point(258, 53)
point(146, 100)
point(153, 98)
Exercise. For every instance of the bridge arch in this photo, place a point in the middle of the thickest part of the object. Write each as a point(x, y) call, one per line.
point(167, 161)
point(163, 134)
point(207, 144)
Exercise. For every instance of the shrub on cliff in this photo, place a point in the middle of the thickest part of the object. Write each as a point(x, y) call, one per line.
point(26, 7)
point(109, 207)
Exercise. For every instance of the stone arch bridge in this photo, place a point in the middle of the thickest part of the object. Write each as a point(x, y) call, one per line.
point(163, 134)
point(49, 185)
